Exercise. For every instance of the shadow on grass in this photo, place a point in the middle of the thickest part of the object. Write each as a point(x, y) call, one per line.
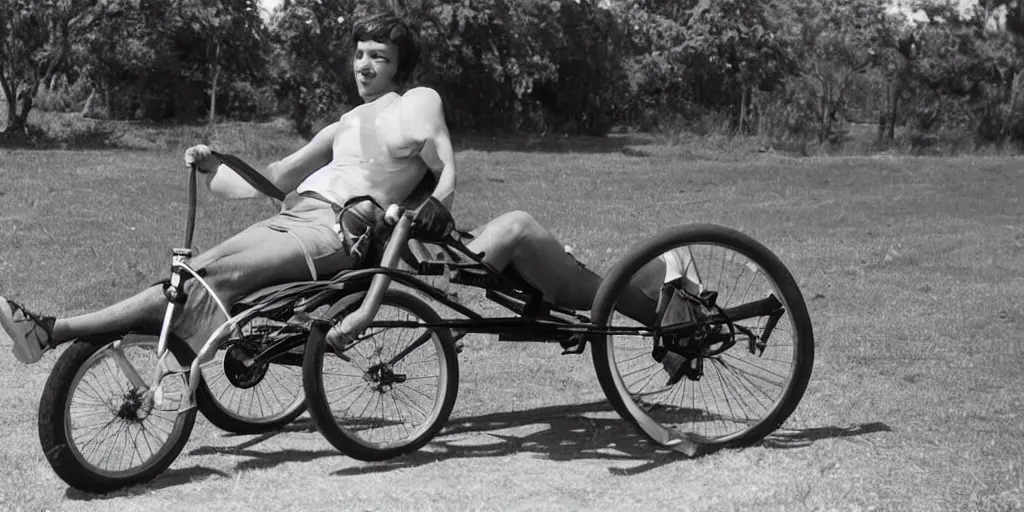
point(265, 460)
point(258, 460)
point(533, 143)
point(170, 478)
point(558, 433)
point(799, 438)
point(564, 433)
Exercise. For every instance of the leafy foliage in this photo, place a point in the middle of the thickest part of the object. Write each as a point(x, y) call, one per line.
point(965, 79)
point(36, 39)
point(796, 70)
point(166, 55)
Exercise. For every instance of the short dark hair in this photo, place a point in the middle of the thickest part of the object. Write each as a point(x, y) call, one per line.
point(386, 28)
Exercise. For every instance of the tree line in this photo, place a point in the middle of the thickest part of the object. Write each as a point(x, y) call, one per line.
point(786, 70)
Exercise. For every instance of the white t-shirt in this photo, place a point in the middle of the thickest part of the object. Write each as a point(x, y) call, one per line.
point(370, 157)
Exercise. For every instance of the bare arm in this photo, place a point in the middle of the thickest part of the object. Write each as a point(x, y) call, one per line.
point(423, 121)
point(289, 172)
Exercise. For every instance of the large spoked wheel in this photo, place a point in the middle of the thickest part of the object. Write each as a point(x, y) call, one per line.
point(251, 399)
point(392, 389)
point(97, 429)
point(733, 372)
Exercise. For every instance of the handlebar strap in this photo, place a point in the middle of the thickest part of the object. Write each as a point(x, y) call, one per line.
point(362, 230)
point(432, 222)
point(250, 175)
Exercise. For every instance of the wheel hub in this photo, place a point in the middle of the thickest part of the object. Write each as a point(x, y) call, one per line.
point(240, 375)
point(383, 378)
point(132, 406)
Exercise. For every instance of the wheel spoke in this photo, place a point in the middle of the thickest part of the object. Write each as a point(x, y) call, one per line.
point(111, 430)
point(394, 402)
point(731, 393)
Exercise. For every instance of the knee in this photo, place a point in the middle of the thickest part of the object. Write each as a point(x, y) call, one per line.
point(519, 226)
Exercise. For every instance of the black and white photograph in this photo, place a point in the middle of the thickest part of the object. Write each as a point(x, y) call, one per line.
point(511, 255)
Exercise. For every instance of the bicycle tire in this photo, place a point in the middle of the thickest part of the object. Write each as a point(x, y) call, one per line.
point(625, 400)
point(347, 438)
point(54, 422)
point(276, 415)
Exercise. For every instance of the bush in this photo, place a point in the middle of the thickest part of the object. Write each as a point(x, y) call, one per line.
point(245, 102)
point(60, 96)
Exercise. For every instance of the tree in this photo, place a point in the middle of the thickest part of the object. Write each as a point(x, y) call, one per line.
point(897, 67)
point(312, 48)
point(734, 48)
point(963, 79)
point(656, 75)
point(226, 28)
point(834, 42)
point(581, 42)
point(36, 38)
point(171, 57)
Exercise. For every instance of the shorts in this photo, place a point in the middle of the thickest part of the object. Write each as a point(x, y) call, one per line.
point(310, 223)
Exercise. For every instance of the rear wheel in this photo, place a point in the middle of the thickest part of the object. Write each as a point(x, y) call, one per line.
point(731, 376)
point(392, 390)
point(98, 431)
point(257, 398)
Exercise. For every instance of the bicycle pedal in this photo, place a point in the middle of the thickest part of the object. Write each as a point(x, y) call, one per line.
point(708, 299)
point(575, 345)
point(756, 346)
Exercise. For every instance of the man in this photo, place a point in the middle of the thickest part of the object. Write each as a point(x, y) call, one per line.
point(382, 149)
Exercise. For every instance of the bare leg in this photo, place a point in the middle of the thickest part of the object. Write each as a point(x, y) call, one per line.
point(252, 259)
point(142, 311)
point(517, 239)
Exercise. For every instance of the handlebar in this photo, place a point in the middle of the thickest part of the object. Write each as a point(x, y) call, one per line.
point(191, 226)
point(244, 170)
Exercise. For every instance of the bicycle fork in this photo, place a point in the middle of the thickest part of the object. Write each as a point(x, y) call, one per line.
point(175, 297)
point(343, 333)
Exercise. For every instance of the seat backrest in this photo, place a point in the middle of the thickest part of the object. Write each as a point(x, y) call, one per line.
point(422, 191)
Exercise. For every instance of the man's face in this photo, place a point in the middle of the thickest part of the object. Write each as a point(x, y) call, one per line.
point(374, 65)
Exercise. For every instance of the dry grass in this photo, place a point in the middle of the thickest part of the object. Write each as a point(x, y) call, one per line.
point(912, 268)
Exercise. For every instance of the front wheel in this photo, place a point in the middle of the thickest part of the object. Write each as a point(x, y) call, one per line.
point(97, 429)
point(392, 389)
point(719, 349)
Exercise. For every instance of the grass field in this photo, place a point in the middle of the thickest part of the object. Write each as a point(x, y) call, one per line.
point(913, 269)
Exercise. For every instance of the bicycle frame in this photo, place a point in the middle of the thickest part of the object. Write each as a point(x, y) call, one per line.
point(536, 320)
point(175, 294)
point(175, 298)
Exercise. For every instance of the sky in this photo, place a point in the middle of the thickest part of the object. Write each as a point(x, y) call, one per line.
point(269, 4)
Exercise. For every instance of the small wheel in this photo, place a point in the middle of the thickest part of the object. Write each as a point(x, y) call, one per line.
point(392, 390)
point(250, 399)
point(716, 382)
point(98, 431)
